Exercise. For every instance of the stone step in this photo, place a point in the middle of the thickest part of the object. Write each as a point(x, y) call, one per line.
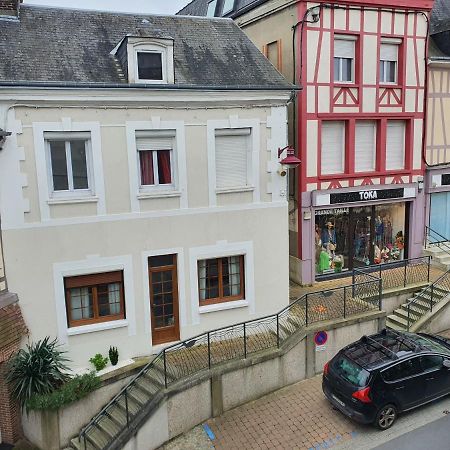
point(109, 426)
point(414, 316)
point(133, 406)
point(399, 321)
point(419, 307)
point(150, 389)
point(117, 414)
point(394, 325)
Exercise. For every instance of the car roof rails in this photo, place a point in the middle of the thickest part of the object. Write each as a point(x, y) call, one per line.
point(378, 345)
point(413, 346)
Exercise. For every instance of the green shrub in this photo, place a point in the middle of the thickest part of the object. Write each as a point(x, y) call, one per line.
point(71, 391)
point(39, 369)
point(99, 361)
point(113, 355)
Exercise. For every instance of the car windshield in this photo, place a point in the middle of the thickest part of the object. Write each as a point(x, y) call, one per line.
point(430, 343)
point(349, 371)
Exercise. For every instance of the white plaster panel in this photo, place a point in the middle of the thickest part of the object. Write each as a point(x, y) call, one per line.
point(420, 44)
point(324, 99)
point(311, 142)
point(369, 99)
point(421, 26)
point(410, 100)
point(370, 21)
point(311, 95)
point(417, 159)
point(411, 79)
point(386, 21)
point(313, 39)
point(399, 24)
point(340, 19)
point(354, 20)
point(323, 75)
point(370, 63)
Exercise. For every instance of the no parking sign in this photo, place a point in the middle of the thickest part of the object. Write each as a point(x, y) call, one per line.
point(320, 339)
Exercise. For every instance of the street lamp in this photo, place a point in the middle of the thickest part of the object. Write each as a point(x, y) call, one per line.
point(290, 161)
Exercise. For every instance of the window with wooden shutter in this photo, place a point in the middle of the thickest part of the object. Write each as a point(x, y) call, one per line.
point(365, 145)
point(333, 144)
point(395, 144)
point(156, 159)
point(233, 158)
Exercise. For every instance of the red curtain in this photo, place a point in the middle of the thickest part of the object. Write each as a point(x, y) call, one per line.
point(164, 172)
point(146, 160)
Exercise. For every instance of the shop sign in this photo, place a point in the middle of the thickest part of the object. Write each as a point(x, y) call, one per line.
point(445, 179)
point(332, 212)
point(366, 195)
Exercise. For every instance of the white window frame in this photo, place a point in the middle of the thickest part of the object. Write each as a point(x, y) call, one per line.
point(222, 250)
point(179, 170)
point(87, 267)
point(71, 192)
point(45, 184)
point(162, 188)
point(397, 43)
point(353, 39)
point(234, 123)
point(141, 45)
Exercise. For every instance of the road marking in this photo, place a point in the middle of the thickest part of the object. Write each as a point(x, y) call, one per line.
point(209, 432)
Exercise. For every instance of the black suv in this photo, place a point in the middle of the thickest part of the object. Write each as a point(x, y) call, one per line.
point(379, 376)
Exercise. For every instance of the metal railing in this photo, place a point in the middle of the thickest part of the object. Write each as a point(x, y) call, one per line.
point(203, 352)
point(397, 274)
point(425, 300)
point(435, 239)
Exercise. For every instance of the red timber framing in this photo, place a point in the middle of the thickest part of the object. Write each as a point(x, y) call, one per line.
point(346, 100)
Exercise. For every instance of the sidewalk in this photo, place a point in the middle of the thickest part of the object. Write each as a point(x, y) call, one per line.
point(298, 417)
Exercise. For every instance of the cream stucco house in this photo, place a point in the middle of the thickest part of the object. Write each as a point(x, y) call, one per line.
point(140, 193)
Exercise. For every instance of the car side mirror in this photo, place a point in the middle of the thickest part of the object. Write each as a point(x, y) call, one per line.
point(446, 364)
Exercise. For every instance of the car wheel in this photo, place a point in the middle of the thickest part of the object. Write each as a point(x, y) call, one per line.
point(386, 417)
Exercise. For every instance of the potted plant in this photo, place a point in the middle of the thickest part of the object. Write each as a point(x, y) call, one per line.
point(113, 355)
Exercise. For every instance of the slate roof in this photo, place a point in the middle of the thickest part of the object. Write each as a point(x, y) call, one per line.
point(440, 16)
point(73, 46)
point(200, 7)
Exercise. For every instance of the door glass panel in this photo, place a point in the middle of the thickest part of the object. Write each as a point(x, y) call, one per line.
point(362, 239)
point(160, 261)
point(389, 233)
point(403, 370)
point(431, 362)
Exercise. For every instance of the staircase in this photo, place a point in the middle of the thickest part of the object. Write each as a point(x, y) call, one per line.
point(421, 304)
point(438, 247)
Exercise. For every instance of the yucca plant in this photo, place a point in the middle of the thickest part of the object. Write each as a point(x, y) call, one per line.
point(38, 369)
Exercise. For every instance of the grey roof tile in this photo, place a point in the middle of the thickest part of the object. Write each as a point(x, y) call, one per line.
point(73, 46)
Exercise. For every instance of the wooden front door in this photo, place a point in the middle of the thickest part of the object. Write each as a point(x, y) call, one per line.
point(164, 298)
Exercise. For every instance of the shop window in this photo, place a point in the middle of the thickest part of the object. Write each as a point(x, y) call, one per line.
point(94, 298)
point(344, 59)
point(365, 145)
point(221, 279)
point(347, 238)
point(333, 147)
point(395, 145)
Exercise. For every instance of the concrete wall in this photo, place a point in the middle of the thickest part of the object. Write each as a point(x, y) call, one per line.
point(437, 321)
point(52, 430)
point(230, 385)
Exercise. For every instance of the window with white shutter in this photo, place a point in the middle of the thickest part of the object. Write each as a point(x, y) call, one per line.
point(333, 147)
point(233, 158)
point(156, 159)
point(344, 58)
point(388, 63)
point(365, 145)
point(395, 145)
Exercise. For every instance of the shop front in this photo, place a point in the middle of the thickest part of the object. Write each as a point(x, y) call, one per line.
point(438, 182)
point(356, 228)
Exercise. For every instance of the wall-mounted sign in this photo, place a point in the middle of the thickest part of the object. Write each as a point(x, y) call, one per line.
point(366, 195)
point(332, 212)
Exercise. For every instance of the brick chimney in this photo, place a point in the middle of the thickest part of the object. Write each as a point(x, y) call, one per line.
point(10, 7)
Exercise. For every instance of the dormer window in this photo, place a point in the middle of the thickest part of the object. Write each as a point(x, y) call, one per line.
point(150, 66)
point(146, 60)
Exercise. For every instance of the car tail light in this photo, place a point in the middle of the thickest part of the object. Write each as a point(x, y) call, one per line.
point(325, 368)
point(363, 395)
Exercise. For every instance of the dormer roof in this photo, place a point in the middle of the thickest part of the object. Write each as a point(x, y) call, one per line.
point(73, 47)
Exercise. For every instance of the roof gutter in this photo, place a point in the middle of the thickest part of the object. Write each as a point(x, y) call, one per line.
point(159, 87)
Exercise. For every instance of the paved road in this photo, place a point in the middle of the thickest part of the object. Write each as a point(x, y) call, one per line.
point(434, 436)
point(299, 417)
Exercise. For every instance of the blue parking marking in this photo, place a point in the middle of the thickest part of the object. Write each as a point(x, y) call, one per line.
point(209, 432)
